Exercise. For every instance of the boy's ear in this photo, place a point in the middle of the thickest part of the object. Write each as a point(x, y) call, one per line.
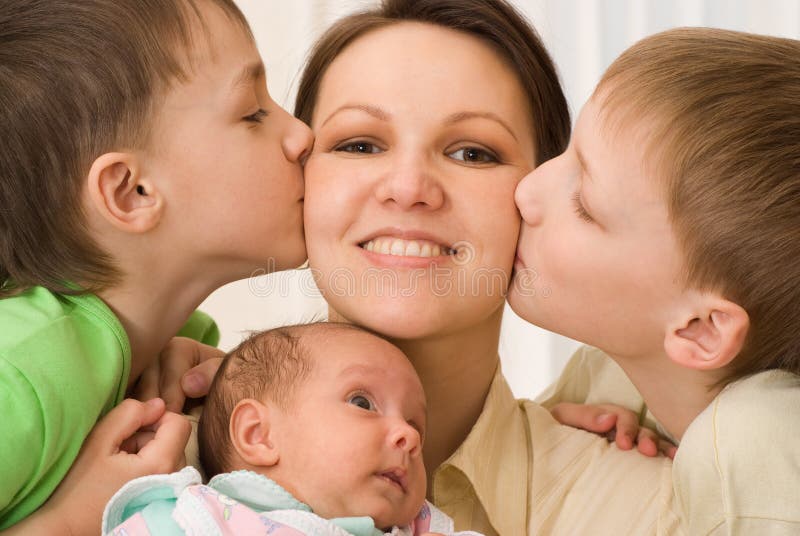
point(250, 433)
point(121, 195)
point(710, 337)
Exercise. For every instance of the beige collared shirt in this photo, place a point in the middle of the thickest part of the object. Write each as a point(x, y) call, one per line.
point(520, 472)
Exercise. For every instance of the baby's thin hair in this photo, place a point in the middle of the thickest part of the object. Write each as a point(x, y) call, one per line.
point(270, 364)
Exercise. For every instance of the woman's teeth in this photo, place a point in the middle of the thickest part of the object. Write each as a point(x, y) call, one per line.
point(406, 248)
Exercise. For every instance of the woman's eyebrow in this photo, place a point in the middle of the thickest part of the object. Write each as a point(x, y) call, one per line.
point(464, 116)
point(374, 111)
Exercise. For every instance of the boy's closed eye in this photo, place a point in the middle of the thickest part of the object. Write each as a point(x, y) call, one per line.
point(257, 117)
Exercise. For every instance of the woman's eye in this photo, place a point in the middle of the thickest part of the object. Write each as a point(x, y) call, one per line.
point(358, 147)
point(362, 402)
point(257, 117)
point(474, 155)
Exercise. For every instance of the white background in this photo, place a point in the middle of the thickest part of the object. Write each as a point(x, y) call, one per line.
point(583, 36)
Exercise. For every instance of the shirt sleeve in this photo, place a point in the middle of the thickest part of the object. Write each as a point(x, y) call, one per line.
point(21, 443)
point(592, 377)
point(202, 328)
point(738, 468)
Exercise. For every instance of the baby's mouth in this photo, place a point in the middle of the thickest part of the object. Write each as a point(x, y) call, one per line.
point(396, 477)
point(406, 248)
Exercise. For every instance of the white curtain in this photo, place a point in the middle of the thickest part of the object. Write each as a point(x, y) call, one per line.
point(583, 36)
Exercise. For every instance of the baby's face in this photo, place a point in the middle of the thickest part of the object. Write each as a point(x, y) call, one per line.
point(351, 443)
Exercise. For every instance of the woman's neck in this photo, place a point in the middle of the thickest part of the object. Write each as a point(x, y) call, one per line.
point(456, 371)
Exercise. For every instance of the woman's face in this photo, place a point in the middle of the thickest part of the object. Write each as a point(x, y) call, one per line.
point(422, 134)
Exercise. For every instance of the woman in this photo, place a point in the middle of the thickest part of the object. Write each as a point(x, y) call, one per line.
point(426, 114)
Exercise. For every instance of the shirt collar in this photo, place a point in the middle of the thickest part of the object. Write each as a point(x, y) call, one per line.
point(495, 460)
point(264, 495)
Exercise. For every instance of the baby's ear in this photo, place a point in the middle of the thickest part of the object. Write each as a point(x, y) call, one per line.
point(122, 196)
point(709, 336)
point(250, 433)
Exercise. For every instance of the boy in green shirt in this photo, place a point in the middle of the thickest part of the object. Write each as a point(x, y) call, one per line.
point(143, 165)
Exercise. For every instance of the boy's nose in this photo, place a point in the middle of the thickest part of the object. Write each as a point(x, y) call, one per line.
point(298, 141)
point(526, 198)
point(409, 183)
point(406, 438)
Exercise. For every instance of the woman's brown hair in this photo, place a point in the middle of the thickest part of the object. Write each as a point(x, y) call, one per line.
point(78, 78)
point(494, 21)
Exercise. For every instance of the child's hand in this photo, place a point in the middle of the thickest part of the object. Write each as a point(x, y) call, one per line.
point(133, 440)
point(184, 369)
point(618, 424)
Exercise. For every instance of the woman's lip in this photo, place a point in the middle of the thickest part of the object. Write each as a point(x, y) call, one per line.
point(397, 261)
point(406, 234)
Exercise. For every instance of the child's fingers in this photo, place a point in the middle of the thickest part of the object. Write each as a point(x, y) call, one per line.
point(179, 356)
point(667, 448)
point(592, 418)
point(647, 442)
point(197, 381)
point(125, 420)
point(165, 450)
point(147, 384)
point(627, 429)
point(134, 444)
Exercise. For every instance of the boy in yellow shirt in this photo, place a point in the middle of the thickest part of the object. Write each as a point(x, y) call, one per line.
point(143, 165)
point(668, 235)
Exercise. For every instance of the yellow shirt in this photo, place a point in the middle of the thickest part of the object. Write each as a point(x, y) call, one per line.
point(520, 472)
point(738, 468)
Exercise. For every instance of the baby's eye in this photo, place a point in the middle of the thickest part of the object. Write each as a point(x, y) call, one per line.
point(358, 147)
point(474, 155)
point(362, 402)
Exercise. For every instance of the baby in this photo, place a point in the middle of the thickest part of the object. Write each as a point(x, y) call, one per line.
point(312, 429)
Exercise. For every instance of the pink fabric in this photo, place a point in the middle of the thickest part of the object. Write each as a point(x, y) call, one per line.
point(133, 526)
point(422, 523)
point(233, 517)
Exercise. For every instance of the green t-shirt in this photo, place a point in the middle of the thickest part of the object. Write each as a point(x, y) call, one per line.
point(64, 363)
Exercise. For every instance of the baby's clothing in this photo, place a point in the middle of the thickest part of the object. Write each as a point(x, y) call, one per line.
point(241, 502)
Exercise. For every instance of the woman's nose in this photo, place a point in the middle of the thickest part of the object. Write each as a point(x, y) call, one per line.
point(406, 438)
point(297, 141)
point(410, 185)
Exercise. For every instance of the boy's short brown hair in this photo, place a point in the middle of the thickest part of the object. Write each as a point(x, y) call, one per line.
point(78, 78)
point(722, 110)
